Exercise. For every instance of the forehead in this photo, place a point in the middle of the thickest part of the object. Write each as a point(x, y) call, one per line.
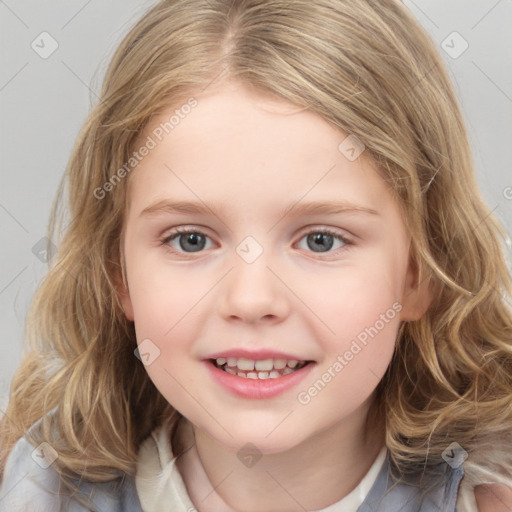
point(236, 145)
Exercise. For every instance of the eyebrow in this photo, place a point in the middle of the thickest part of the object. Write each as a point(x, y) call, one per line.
point(297, 209)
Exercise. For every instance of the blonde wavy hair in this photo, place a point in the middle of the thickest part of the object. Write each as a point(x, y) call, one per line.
point(369, 68)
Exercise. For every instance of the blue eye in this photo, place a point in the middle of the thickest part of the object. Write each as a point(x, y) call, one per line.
point(324, 240)
point(192, 240)
point(189, 240)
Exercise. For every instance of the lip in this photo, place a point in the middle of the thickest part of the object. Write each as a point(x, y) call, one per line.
point(256, 388)
point(255, 355)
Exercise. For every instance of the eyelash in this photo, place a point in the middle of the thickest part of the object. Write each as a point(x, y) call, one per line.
point(185, 231)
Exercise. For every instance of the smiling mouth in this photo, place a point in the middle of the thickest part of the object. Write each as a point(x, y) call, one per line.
point(258, 369)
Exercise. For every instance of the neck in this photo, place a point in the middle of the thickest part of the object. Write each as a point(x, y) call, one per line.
point(311, 476)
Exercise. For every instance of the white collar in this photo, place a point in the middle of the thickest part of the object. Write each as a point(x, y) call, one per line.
point(159, 483)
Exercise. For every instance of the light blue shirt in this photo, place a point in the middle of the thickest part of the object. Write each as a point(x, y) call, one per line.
point(27, 486)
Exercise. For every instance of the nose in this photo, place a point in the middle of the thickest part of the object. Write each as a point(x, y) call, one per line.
point(253, 292)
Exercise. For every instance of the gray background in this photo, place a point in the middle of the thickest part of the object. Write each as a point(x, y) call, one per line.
point(43, 103)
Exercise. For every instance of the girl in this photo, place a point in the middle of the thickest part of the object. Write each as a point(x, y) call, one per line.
point(337, 334)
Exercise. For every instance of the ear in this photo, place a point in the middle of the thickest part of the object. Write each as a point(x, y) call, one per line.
point(417, 294)
point(124, 296)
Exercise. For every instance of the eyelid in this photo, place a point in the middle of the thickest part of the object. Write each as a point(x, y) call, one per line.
point(180, 230)
point(336, 232)
point(348, 240)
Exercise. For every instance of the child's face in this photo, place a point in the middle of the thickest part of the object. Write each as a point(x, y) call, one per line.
point(252, 281)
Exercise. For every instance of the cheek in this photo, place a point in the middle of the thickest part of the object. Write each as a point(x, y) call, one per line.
point(171, 375)
point(360, 320)
point(352, 297)
point(165, 319)
point(355, 360)
point(161, 295)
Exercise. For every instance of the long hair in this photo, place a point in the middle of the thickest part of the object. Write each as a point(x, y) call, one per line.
point(365, 66)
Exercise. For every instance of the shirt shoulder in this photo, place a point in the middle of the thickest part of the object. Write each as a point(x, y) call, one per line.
point(433, 491)
point(31, 483)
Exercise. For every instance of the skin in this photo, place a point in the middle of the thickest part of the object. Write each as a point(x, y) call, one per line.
point(253, 156)
point(493, 498)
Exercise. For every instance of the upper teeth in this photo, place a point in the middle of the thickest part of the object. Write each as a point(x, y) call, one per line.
point(264, 365)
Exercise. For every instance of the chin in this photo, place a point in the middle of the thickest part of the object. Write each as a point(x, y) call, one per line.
point(260, 440)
